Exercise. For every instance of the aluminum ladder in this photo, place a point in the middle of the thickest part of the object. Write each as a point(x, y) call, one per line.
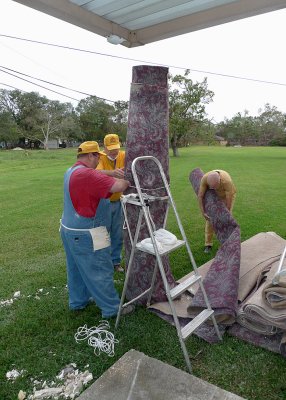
point(143, 201)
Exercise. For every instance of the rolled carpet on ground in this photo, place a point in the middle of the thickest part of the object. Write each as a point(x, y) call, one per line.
point(257, 314)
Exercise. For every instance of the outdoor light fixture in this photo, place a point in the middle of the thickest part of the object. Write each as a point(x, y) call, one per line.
point(114, 39)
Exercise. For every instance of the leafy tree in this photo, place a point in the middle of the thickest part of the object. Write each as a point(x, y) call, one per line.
point(240, 129)
point(54, 120)
point(95, 118)
point(24, 108)
point(49, 120)
point(120, 119)
point(70, 128)
point(39, 118)
point(8, 102)
point(271, 124)
point(244, 129)
point(187, 102)
point(9, 131)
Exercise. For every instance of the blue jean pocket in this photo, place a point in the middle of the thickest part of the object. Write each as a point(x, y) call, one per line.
point(81, 242)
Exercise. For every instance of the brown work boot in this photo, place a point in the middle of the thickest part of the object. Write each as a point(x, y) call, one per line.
point(118, 268)
point(208, 249)
point(128, 309)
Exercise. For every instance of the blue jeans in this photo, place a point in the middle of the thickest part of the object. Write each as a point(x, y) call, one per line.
point(90, 273)
point(116, 235)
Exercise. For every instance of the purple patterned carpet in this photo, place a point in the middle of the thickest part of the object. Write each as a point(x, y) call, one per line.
point(275, 343)
point(147, 134)
point(222, 279)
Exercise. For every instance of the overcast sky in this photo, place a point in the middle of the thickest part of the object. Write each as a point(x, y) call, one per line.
point(251, 48)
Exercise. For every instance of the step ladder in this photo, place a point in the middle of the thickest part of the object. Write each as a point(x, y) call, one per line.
point(143, 200)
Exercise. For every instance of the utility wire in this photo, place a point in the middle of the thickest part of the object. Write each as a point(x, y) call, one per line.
point(144, 61)
point(36, 84)
point(43, 66)
point(54, 84)
point(81, 50)
point(5, 84)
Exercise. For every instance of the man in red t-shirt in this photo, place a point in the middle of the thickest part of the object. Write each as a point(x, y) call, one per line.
point(85, 228)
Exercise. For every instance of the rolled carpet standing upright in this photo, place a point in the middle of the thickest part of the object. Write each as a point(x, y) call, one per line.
point(147, 134)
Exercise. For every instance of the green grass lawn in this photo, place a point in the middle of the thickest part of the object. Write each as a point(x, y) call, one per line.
point(37, 331)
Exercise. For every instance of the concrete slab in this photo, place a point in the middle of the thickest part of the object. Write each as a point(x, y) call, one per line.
point(138, 377)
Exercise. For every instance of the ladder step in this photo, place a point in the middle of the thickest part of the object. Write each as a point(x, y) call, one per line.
point(134, 198)
point(167, 249)
point(195, 323)
point(182, 287)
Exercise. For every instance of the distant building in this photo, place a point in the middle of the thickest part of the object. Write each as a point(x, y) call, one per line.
point(55, 144)
point(220, 140)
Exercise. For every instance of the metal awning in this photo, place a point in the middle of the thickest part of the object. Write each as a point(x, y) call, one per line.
point(138, 22)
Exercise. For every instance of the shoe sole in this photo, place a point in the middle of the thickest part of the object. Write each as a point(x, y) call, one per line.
point(127, 310)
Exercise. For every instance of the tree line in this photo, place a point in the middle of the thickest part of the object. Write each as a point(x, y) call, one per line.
point(34, 118)
point(266, 129)
point(38, 119)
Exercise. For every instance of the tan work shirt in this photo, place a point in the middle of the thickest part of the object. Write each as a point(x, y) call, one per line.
point(226, 187)
point(106, 164)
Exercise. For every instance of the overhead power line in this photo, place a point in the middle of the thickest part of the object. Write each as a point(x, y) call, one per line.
point(36, 84)
point(144, 61)
point(5, 84)
point(54, 84)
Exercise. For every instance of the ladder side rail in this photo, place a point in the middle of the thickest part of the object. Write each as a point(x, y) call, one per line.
point(216, 327)
point(147, 216)
point(152, 284)
point(123, 204)
point(166, 215)
point(166, 184)
point(208, 305)
point(166, 286)
point(129, 266)
point(179, 222)
point(205, 295)
point(137, 184)
point(135, 176)
point(206, 299)
point(163, 177)
point(157, 254)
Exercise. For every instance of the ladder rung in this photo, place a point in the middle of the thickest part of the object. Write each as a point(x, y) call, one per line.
point(131, 199)
point(137, 297)
point(134, 202)
point(167, 249)
point(195, 323)
point(182, 287)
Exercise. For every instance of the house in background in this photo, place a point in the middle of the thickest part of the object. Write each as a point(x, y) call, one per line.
point(55, 144)
point(219, 139)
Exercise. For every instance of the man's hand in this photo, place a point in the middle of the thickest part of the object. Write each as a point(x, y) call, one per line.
point(201, 204)
point(119, 186)
point(118, 173)
point(206, 216)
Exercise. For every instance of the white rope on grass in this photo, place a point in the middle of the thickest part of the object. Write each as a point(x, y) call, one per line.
point(97, 337)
